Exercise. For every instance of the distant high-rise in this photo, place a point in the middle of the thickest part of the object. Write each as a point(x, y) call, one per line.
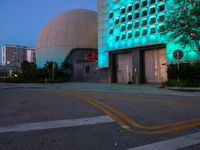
point(31, 55)
point(14, 55)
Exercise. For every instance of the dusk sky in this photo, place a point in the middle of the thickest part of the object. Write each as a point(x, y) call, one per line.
point(23, 20)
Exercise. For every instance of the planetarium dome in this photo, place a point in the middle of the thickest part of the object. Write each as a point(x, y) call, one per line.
point(74, 29)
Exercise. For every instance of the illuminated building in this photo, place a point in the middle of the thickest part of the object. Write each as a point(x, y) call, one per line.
point(130, 42)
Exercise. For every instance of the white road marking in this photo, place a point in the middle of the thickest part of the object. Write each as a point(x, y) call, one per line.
point(55, 124)
point(172, 144)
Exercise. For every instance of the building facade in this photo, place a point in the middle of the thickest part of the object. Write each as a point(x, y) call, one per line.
point(71, 37)
point(14, 55)
point(31, 55)
point(130, 43)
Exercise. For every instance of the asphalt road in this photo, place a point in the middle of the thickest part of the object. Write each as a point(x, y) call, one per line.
point(66, 116)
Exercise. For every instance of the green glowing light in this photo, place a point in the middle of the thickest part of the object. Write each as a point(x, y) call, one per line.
point(108, 42)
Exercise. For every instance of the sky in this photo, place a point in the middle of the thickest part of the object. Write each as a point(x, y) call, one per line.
point(21, 21)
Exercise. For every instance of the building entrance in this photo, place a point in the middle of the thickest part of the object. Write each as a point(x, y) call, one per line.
point(124, 67)
point(155, 65)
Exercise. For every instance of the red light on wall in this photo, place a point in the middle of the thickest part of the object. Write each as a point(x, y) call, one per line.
point(92, 57)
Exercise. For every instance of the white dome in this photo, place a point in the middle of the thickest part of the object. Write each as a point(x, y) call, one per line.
point(70, 30)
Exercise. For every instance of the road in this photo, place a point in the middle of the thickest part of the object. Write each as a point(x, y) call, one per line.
point(90, 116)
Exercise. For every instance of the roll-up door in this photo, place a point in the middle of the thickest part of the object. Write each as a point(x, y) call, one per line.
point(155, 65)
point(124, 64)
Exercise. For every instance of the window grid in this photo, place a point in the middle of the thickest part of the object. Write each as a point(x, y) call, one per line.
point(135, 12)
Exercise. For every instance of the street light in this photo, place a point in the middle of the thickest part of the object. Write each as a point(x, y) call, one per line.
point(4, 70)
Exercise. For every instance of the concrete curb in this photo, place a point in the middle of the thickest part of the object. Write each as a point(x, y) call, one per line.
point(189, 89)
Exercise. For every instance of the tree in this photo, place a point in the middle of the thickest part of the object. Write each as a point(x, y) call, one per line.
point(28, 70)
point(183, 24)
point(67, 68)
point(51, 67)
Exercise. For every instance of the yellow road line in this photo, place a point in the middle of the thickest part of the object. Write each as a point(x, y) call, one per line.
point(120, 122)
point(162, 102)
point(137, 125)
point(160, 129)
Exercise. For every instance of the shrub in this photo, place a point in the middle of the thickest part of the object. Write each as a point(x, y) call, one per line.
point(188, 74)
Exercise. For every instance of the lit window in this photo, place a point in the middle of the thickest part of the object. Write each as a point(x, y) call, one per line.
point(117, 21)
point(152, 1)
point(111, 31)
point(137, 15)
point(153, 30)
point(123, 10)
point(123, 19)
point(111, 15)
point(117, 38)
point(144, 22)
point(137, 24)
point(144, 3)
point(153, 20)
point(130, 17)
point(161, 8)
point(130, 35)
point(161, 18)
point(136, 6)
point(153, 10)
point(144, 32)
point(162, 28)
point(130, 26)
point(137, 34)
point(123, 28)
point(123, 37)
point(129, 8)
point(144, 13)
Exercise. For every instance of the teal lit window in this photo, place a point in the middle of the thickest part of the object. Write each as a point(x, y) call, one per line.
point(130, 27)
point(161, 8)
point(153, 30)
point(136, 6)
point(161, 28)
point(137, 34)
point(144, 13)
point(130, 35)
point(129, 8)
point(116, 21)
point(111, 31)
point(153, 10)
point(111, 15)
point(152, 1)
point(137, 15)
point(123, 28)
point(152, 20)
point(144, 3)
point(144, 23)
point(130, 17)
point(123, 19)
point(123, 10)
point(161, 18)
point(137, 24)
point(117, 38)
point(144, 32)
point(123, 37)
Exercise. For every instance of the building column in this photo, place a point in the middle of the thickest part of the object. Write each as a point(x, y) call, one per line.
point(138, 66)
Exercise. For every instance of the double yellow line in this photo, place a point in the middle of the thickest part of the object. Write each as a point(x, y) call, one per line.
point(131, 125)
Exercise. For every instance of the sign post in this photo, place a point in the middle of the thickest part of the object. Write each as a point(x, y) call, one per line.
point(178, 54)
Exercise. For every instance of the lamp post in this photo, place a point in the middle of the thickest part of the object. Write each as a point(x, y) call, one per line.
point(4, 70)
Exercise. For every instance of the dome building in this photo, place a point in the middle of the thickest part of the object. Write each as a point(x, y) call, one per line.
point(71, 36)
point(74, 29)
